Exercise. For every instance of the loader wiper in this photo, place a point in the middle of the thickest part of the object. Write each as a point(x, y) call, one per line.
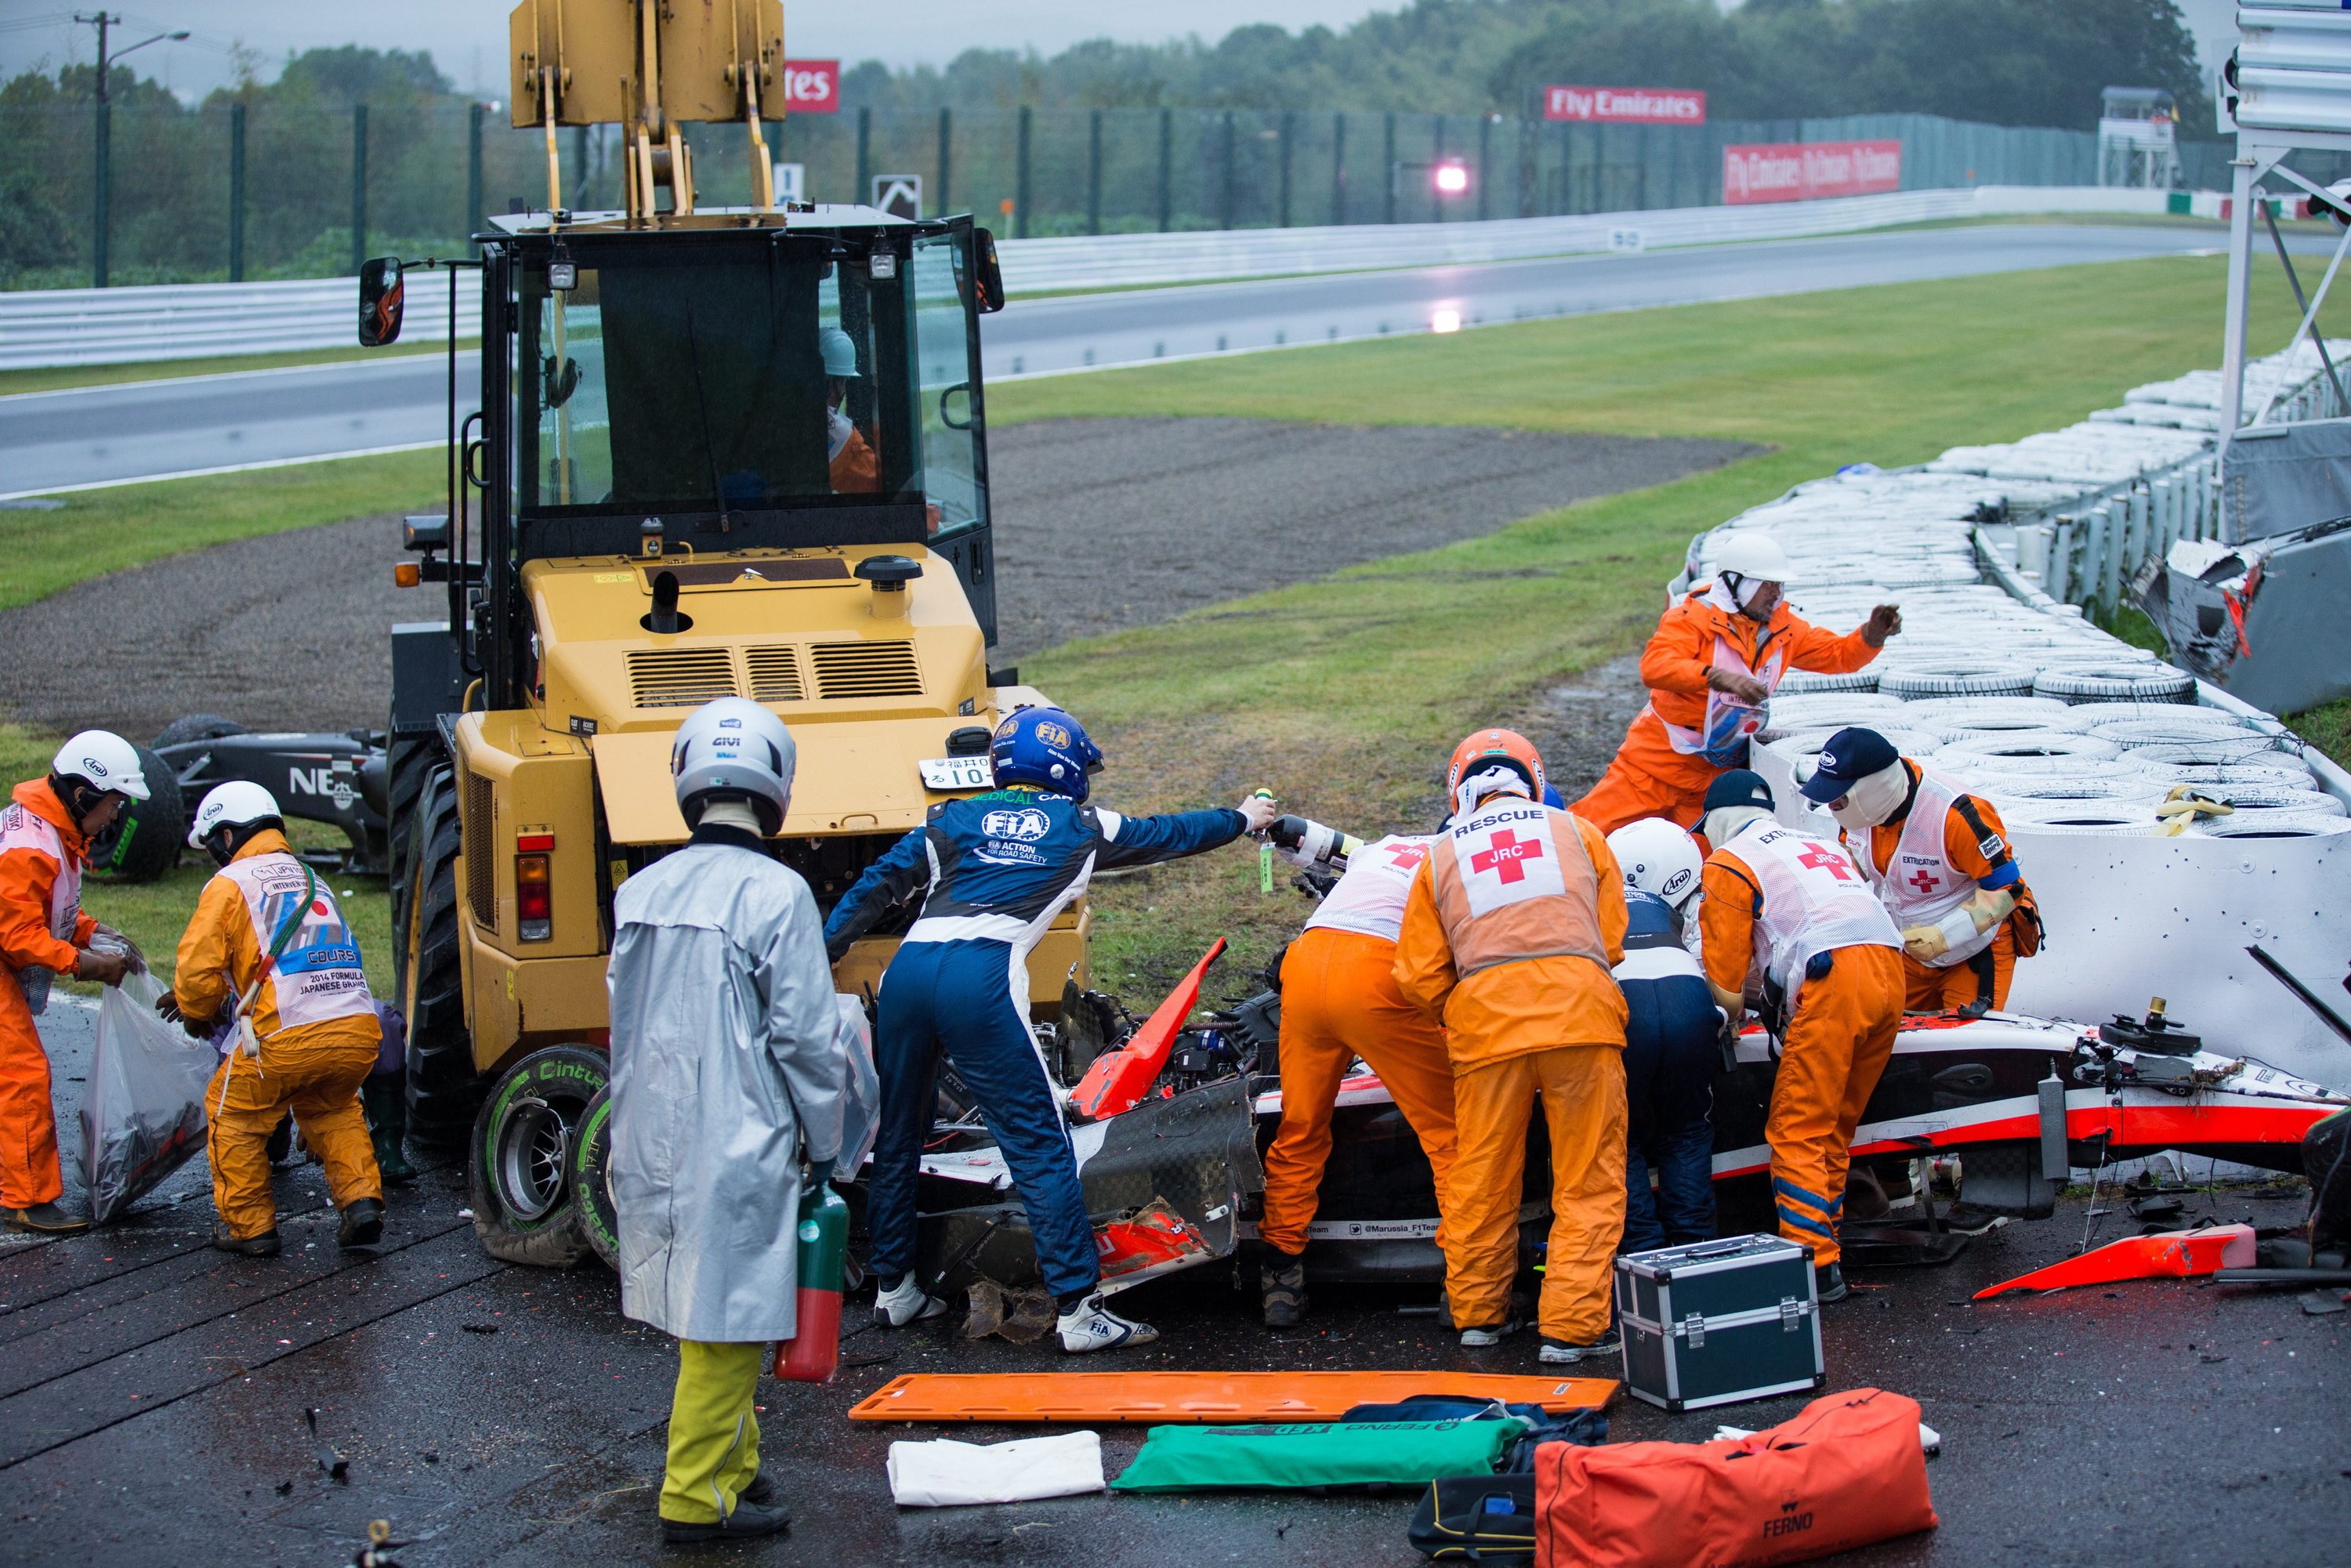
point(702, 407)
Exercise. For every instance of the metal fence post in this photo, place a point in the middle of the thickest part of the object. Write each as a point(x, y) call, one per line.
point(1094, 172)
point(947, 158)
point(1485, 162)
point(1338, 168)
point(473, 175)
point(237, 193)
point(1284, 215)
point(1167, 170)
point(2059, 582)
point(1020, 177)
point(1387, 155)
point(100, 193)
point(1435, 157)
point(864, 156)
point(1227, 216)
point(1530, 161)
point(1641, 169)
point(359, 186)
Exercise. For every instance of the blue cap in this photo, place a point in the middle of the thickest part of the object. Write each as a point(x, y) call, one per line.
point(1739, 787)
point(1851, 756)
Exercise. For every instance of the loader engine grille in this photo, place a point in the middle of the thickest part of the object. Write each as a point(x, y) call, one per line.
point(481, 867)
point(774, 674)
point(866, 670)
point(681, 677)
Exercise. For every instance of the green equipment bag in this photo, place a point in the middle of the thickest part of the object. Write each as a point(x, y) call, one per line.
point(1317, 1454)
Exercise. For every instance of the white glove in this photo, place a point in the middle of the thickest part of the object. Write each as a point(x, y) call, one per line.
point(1258, 811)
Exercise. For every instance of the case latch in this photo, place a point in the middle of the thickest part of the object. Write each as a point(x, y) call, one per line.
point(1694, 1330)
point(1791, 1313)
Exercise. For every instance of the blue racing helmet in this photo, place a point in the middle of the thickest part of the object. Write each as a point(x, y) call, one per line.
point(1046, 748)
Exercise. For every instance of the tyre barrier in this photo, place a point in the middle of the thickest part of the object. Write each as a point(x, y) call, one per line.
point(2046, 751)
point(2281, 803)
point(1957, 678)
point(2219, 776)
point(2227, 739)
point(2106, 683)
point(2232, 749)
point(1804, 745)
point(1992, 715)
point(1798, 683)
point(2282, 827)
point(2106, 819)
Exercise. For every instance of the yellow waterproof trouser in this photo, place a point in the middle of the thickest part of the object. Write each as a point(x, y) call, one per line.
point(314, 1071)
point(1582, 1092)
point(713, 1433)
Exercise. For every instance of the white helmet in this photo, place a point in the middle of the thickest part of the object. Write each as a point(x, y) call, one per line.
point(103, 760)
point(239, 804)
point(839, 350)
point(1755, 556)
point(1658, 857)
point(733, 747)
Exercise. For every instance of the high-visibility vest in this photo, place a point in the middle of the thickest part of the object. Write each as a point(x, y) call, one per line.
point(1513, 880)
point(24, 830)
point(318, 978)
point(1370, 897)
point(1919, 885)
point(1729, 723)
point(1814, 900)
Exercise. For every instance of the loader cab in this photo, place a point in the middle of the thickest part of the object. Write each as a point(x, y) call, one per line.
point(665, 392)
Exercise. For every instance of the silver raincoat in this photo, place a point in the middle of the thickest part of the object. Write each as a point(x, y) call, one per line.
point(725, 1063)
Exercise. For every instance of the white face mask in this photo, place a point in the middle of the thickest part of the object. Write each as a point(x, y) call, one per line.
point(1725, 823)
point(1873, 799)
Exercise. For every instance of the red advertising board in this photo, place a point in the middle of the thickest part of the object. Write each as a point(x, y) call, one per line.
point(1800, 171)
point(1625, 105)
point(813, 86)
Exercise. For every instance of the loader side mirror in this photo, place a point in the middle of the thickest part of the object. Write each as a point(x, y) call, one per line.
point(987, 276)
point(382, 296)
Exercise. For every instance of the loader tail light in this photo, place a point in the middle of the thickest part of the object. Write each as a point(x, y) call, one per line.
point(533, 899)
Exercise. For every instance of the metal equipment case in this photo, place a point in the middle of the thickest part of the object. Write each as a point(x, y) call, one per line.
point(1719, 1322)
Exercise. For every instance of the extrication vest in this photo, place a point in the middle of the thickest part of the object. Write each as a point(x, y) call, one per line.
point(1513, 882)
point(1814, 900)
point(1370, 897)
point(319, 977)
point(1729, 723)
point(1919, 885)
point(24, 830)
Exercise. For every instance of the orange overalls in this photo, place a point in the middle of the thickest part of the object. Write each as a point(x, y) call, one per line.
point(1959, 858)
point(1509, 934)
point(854, 470)
point(312, 1068)
point(1780, 897)
point(1661, 770)
point(42, 930)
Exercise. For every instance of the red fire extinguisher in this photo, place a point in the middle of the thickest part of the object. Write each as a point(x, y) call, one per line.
point(813, 1354)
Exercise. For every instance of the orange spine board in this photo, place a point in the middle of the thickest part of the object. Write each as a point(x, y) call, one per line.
point(1201, 1397)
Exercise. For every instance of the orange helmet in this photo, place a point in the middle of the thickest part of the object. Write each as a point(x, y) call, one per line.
point(1492, 749)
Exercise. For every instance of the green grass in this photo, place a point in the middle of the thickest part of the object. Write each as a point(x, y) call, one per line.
point(2326, 726)
point(99, 531)
point(55, 378)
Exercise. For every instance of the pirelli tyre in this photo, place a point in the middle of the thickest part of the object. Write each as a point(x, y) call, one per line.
point(428, 957)
point(518, 1168)
point(1957, 678)
point(591, 1197)
point(2125, 682)
point(145, 841)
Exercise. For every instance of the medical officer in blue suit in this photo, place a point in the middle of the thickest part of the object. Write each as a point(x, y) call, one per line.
point(992, 873)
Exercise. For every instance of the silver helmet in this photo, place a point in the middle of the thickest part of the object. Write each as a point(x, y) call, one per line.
point(733, 747)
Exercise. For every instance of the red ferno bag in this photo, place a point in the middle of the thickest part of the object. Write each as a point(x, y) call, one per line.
point(1846, 1471)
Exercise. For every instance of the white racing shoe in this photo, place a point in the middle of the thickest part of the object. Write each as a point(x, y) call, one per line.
point(1092, 1326)
point(906, 1304)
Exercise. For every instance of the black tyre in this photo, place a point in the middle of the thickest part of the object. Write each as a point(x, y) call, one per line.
point(198, 727)
point(145, 841)
point(592, 1198)
point(518, 1168)
point(409, 764)
point(443, 1086)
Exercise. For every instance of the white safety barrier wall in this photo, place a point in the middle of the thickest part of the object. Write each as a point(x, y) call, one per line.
point(2001, 681)
point(197, 320)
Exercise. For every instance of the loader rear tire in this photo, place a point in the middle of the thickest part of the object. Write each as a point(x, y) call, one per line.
point(442, 1087)
point(518, 1167)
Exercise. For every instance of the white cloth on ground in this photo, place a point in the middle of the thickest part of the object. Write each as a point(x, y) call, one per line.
point(944, 1473)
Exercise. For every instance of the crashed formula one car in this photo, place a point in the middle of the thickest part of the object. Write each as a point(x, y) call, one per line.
point(1171, 1117)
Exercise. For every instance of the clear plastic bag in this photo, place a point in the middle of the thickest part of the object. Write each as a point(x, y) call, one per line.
point(142, 1112)
point(860, 1087)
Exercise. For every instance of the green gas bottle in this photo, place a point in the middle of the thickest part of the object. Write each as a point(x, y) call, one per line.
point(813, 1354)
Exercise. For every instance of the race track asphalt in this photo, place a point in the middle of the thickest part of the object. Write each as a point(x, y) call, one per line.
point(152, 1408)
point(149, 429)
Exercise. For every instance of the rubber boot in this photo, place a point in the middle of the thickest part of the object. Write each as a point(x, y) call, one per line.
point(46, 1219)
point(384, 1096)
point(1282, 1284)
point(362, 1224)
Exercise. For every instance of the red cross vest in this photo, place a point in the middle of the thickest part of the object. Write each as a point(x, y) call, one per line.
point(24, 830)
point(1513, 882)
point(1814, 900)
point(1729, 723)
point(1920, 886)
point(1370, 897)
point(318, 978)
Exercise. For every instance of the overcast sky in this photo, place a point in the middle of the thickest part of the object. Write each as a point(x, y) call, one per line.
point(467, 38)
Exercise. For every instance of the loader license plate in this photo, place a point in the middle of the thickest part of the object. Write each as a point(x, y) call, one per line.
point(956, 773)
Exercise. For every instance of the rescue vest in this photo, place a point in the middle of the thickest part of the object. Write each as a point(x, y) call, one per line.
point(1370, 897)
point(24, 830)
point(318, 978)
point(1919, 885)
point(1814, 900)
point(1513, 882)
point(1729, 723)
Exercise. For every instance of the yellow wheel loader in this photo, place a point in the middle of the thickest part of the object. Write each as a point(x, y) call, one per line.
point(719, 451)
